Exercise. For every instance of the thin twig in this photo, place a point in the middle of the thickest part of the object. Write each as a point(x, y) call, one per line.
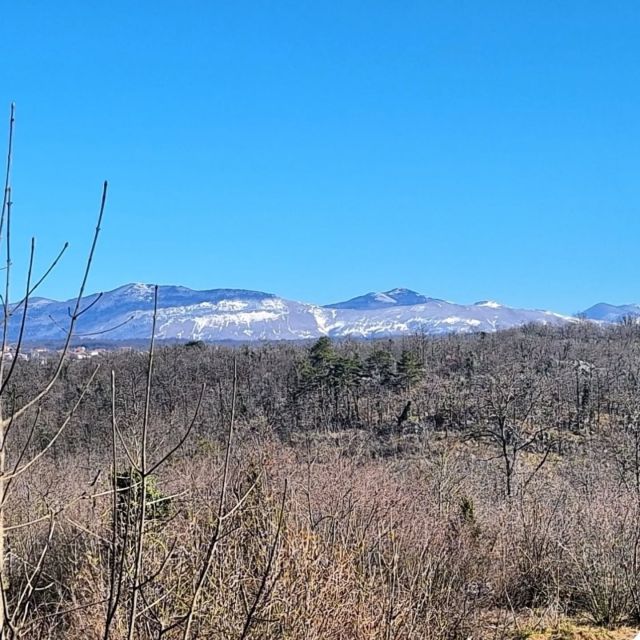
point(267, 571)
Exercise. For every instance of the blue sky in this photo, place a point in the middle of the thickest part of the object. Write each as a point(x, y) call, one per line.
point(319, 150)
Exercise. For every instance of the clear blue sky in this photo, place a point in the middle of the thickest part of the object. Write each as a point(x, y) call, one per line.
point(319, 150)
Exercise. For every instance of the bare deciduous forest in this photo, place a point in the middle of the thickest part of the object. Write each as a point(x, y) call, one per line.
point(477, 486)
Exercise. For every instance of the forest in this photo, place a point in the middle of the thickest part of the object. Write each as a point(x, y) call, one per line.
point(469, 486)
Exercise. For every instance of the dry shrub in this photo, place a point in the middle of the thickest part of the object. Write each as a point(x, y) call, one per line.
point(367, 549)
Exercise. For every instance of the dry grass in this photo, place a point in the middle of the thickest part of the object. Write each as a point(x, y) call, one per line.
point(570, 631)
point(371, 549)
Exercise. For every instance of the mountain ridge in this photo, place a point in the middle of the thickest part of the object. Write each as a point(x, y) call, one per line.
point(610, 313)
point(382, 299)
point(226, 314)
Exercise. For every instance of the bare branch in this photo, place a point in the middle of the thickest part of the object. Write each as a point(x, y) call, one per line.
point(83, 284)
point(53, 439)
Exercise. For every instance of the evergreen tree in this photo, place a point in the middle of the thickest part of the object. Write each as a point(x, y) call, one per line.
point(410, 369)
point(380, 367)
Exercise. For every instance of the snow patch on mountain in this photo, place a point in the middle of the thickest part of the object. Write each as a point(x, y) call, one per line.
point(604, 312)
point(126, 313)
point(381, 300)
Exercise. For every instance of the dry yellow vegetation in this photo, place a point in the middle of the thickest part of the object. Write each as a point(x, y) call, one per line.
point(579, 632)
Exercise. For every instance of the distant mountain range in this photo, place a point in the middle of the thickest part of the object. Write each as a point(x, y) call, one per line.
point(125, 314)
point(609, 313)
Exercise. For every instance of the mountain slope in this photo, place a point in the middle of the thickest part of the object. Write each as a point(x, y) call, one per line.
point(603, 312)
point(435, 317)
point(382, 300)
point(236, 314)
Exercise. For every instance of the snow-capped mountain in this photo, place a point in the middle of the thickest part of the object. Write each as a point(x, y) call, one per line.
point(384, 300)
point(434, 317)
point(603, 312)
point(235, 314)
